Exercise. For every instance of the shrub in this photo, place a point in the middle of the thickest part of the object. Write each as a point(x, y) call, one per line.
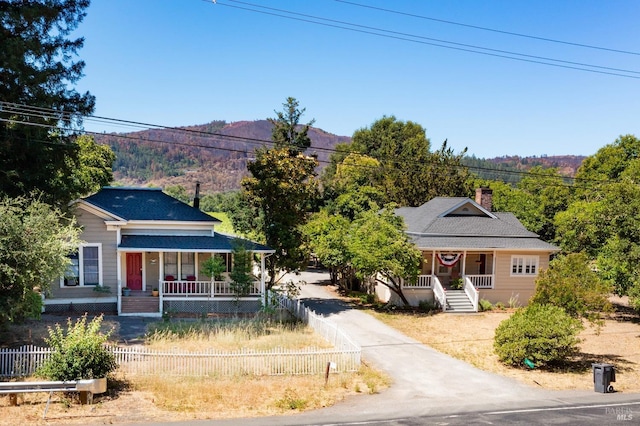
point(427, 306)
point(485, 305)
point(634, 296)
point(79, 353)
point(569, 283)
point(545, 334)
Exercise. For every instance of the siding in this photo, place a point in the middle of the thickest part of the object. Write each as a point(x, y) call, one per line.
point(94, 230)
point(507, 286)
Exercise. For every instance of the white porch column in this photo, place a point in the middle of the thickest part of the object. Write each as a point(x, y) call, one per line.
point(433, 264)
point(262, 281)
point(463, 270)
point(119, 278)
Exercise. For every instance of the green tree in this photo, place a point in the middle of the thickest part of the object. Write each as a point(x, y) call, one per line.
point(544, 194)
point(37, 71)
point(326, 234)
point(281, 190)
point(571, 284)
point(178, 192)
point(241, 278)
point(91, 169)
point(287, 130)
point(35, 241)
point(380, 250)
point(608, 164)
point(409, 174)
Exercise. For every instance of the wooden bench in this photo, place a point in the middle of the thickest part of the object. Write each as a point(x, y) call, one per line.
point(85, 388)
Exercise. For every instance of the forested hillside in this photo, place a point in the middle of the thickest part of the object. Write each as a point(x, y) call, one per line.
point(509, 168)
point(216, 154)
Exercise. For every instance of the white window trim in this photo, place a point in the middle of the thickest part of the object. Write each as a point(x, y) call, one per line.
point(81, 267)
point(525, 259)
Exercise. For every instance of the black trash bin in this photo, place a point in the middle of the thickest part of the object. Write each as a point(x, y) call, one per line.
point(603, 375)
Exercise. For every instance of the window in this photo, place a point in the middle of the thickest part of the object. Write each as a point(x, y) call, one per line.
point(179, 266)
point(524, 265)
point(187, 265)
point(171, 264)
point(85, 268)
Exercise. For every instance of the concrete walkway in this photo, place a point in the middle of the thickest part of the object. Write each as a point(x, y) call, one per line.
point(425, 381)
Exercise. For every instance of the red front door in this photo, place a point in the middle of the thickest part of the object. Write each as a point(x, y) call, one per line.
point(134, 271)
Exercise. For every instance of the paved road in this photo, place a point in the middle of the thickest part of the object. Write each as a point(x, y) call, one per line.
point(432, 388)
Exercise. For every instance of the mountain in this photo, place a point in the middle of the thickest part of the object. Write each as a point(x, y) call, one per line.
point(216, 154)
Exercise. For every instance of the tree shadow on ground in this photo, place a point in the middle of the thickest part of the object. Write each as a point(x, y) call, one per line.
point(583, 362)
point(624, 313)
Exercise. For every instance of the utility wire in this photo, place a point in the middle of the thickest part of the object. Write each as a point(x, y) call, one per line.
point(477, 27)
point(50, 114)
point(436, 42)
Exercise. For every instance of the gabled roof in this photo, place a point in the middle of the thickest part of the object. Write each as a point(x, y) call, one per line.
point(145, 204)
point(458, 222)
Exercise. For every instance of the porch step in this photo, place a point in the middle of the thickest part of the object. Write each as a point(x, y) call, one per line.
point(458, 301)
point(139, 304)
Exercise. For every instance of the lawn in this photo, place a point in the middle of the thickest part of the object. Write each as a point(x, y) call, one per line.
point(469, 337)
point(133, 399)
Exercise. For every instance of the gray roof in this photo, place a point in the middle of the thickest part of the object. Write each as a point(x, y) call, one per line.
point(146, 204)
point(461, 223)
point(479, 243)
point(217, 243)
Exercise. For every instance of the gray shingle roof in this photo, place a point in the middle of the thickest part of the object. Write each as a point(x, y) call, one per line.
point(458, 222)
point(146, 204)
point(472, 243)
point(219, 242)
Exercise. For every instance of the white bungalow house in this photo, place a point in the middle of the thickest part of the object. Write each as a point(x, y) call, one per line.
point(491, 255)
point(137, 240)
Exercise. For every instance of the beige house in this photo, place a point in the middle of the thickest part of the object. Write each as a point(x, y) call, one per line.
point(142, 254)
point(471, 253)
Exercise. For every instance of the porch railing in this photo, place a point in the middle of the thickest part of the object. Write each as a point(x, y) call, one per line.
point(203, 288)
point(439, 294)
point(471, 292)
point(423, 281)
point(481, 281)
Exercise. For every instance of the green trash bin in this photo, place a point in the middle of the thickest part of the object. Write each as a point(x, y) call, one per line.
point(603, 375)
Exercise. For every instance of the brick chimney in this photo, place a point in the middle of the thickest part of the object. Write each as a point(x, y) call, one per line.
point(484, 197)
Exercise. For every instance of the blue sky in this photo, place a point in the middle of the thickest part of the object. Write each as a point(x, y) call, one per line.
point(183, 62)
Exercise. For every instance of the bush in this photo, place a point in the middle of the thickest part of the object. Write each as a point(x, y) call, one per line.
point(427, 306)
point(544, 334)
point(485, 305)
point(79, 353)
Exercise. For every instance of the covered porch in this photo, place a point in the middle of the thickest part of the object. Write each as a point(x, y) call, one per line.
point(447, 266)
point(162, 274)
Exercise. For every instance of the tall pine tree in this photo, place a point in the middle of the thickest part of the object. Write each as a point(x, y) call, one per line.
point(40, 109)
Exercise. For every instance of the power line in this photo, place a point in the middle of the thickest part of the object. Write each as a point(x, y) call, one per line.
point(599, 69)
point(50, 114)
point(477, 27)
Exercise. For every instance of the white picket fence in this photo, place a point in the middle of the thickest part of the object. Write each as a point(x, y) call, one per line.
point(325, 328)
point(344, 356)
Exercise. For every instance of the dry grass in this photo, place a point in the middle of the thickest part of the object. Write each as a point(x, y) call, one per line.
point(469, 337)
point(133, 399)
point(233, 335)
point(153, 399)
